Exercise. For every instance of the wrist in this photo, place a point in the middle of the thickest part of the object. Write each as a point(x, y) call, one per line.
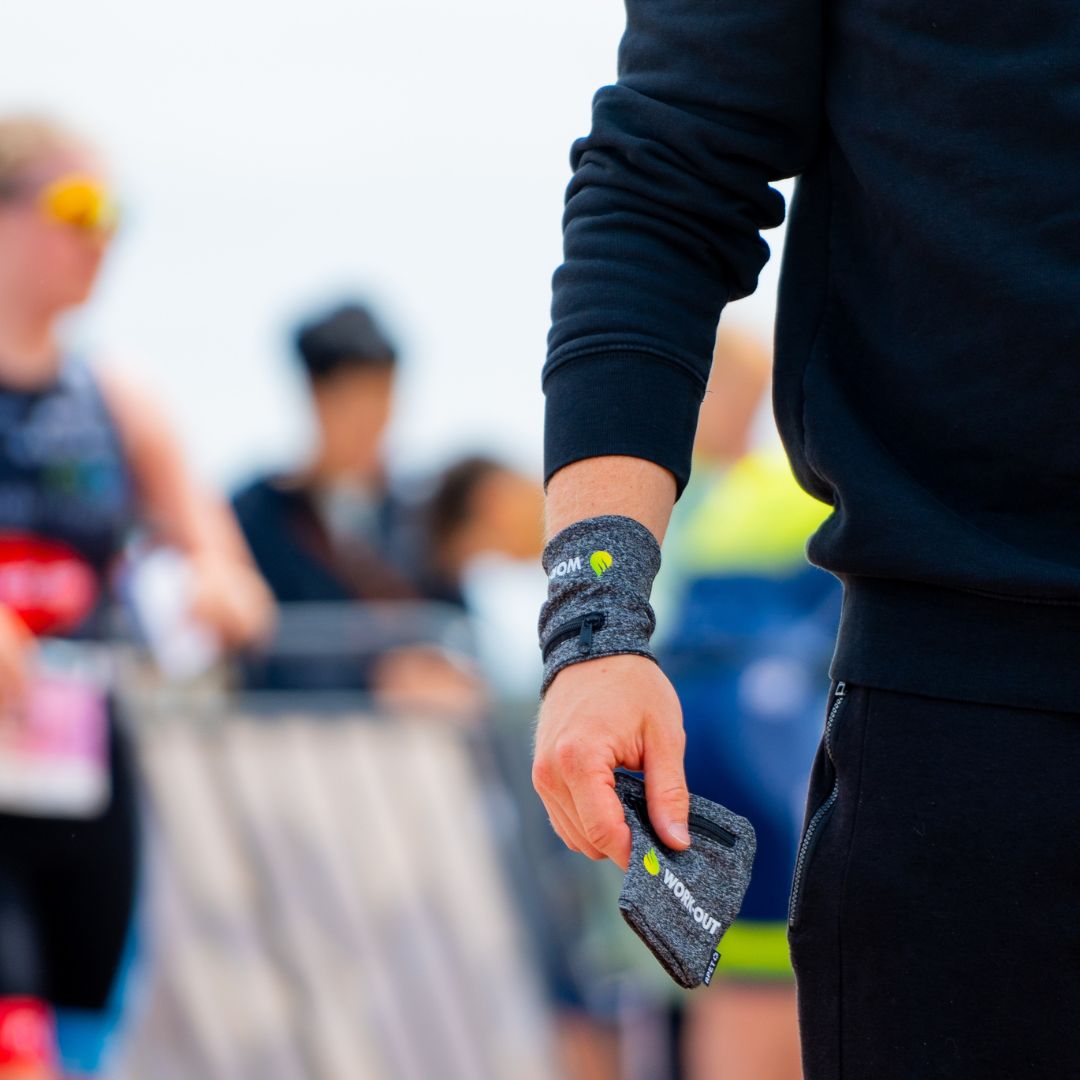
point(600, 573)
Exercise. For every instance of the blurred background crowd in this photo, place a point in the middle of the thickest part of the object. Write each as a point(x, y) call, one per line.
point(270, 570)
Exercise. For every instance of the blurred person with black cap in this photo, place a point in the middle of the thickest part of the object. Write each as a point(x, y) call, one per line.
point(330, 531)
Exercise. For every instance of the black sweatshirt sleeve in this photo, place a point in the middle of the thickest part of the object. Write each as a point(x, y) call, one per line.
point(714, 99)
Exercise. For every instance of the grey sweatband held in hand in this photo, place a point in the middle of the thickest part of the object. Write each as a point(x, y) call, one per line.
point(600, 573)
point(680, 903)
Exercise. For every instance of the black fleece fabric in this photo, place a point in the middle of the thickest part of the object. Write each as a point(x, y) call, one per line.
point(925, 378)
point(934, 930)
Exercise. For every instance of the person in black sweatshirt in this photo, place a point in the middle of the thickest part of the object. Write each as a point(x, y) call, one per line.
point(926, 387)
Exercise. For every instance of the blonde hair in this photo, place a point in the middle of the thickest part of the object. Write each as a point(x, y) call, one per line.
point(27, 138)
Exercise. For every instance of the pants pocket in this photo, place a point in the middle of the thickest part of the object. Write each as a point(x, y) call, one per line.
point(815, 930)
point(823, 792)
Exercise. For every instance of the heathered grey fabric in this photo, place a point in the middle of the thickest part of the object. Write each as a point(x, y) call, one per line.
point(621, 591)
point(683, 908)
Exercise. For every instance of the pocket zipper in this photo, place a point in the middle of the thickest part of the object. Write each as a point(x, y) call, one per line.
point(698, 823)
point(582, 628)
point(704, 826)
point(820, 815)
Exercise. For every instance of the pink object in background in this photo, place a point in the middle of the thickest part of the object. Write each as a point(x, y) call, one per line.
point(54, 755)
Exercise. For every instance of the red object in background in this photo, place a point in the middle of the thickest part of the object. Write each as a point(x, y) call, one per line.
point(48, 584)
point(27, 1034)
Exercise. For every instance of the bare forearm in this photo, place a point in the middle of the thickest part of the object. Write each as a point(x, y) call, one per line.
point(214, 532)
point(173, 503)
point(610, 484)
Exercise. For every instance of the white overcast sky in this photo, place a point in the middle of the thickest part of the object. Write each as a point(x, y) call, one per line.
point(275, 154)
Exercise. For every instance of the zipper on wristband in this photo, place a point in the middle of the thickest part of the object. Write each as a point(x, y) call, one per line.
point(581, 627)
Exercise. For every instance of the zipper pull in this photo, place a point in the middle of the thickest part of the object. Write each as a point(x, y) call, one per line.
point(581, 627)
point(841, 689)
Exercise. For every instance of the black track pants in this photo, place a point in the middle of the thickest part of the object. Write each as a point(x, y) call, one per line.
point(935, 909)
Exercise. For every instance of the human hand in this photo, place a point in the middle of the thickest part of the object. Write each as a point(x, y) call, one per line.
point(232, 598)
point(422, 676)
point(598, 714)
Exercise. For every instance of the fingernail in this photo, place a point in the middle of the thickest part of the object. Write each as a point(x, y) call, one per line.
point(680, 833)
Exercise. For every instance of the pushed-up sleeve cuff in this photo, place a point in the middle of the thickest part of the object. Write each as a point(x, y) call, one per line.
point(621, 402)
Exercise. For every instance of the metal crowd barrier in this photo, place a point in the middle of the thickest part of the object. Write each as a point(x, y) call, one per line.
point(326, 896)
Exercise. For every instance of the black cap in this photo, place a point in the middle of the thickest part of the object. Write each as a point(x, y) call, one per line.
point(347, 336)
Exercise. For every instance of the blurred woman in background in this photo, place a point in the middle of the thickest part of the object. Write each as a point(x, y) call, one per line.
point(478, 506)
point(84, 458)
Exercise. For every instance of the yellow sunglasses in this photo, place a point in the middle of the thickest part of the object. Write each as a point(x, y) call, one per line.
point(80, 202)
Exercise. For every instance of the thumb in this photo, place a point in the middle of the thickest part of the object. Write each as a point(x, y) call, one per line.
point(666, 793)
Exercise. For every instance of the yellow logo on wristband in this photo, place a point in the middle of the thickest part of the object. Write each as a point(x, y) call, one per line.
point(651, 862)
point(600, 561)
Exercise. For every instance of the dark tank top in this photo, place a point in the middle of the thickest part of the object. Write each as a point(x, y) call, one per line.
point(67, 502)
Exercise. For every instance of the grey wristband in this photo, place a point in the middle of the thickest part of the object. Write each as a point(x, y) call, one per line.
point(600, 573)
